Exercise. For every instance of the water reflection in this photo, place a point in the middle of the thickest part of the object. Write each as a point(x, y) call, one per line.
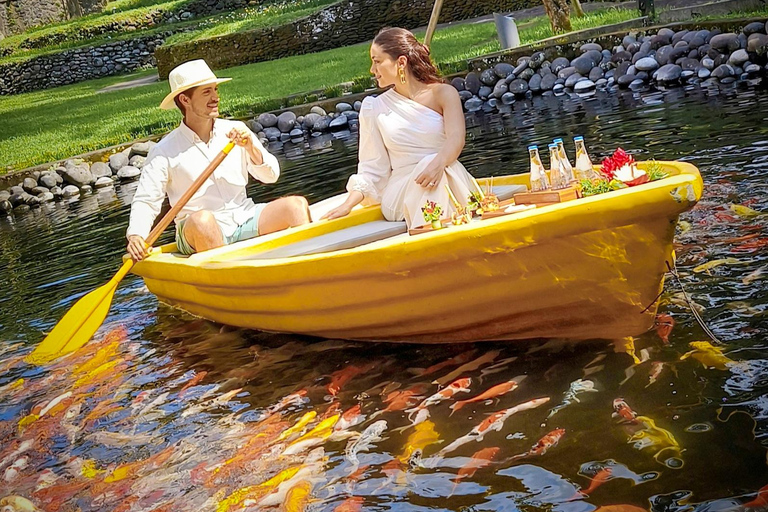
point(167, 412)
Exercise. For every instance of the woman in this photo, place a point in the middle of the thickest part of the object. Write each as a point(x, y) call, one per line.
point(410, 136)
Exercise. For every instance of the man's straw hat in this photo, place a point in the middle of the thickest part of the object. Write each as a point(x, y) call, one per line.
point(186, 76)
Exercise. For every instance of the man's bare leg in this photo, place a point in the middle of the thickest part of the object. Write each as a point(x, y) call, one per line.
point(284, 213)
point(202, 231)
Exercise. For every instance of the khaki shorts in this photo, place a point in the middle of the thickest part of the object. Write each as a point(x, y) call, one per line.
point(249, 229)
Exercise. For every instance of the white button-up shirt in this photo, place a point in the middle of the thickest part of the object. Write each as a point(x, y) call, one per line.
point(177, 160)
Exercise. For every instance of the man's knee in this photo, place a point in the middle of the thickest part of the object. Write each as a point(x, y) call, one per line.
point(297, 208)
point(201, 220)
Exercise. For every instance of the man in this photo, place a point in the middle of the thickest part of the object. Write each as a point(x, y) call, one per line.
point(220, 212)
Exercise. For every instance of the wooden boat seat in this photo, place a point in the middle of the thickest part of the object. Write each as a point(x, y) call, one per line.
point(356, 236)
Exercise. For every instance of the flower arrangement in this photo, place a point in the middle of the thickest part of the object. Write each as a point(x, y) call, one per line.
point(655, 171)
point(473, 201)
point(432, 212)
point(622, 167)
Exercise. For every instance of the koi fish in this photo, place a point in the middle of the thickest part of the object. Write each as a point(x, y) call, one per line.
point(706, 267)
point(656, 368)
point(130, 469)
point(296, 398)
point(494, 392)
point(708, 355)
point(197, 408)
point(194, 381)
point(547, 442)
point(659, 439)
point(750, 246)
point(399, 400)
point(12, 386)
point(351, 417)
point(299, 426)
point(341, 377)
point(623, 412)
point(424, 435)
point(486, 358)
point(255, 492)
point(369, 436)
point(664, 324)
point(760, 501)
point(745, 212)
point(457, 386)
point(298, 497)
point(459, 359)
point(599, 479)
point(479, 459)
point(578, 386)
point(494, 422)
point(352, 504)
point(103, 355)
point(19, 503)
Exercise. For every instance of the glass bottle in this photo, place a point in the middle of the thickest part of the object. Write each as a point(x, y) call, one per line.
point(564, 159)
point(583, 169)
point(558, 176)
point(539, 180)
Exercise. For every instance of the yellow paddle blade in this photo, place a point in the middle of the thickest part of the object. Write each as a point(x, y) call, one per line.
point(80, 323)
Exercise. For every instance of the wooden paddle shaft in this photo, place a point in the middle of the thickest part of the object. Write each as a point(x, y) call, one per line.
point(166, 220)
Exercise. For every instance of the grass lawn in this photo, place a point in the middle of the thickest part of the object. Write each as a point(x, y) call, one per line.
point(55, 124)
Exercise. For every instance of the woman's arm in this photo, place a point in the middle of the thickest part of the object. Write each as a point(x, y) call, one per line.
point(455, 134)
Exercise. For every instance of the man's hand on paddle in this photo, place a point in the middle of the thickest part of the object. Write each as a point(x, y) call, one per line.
point(137, 247)
point(242, 137)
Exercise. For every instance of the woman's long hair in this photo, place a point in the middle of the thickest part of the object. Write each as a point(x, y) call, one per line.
point(398, 41)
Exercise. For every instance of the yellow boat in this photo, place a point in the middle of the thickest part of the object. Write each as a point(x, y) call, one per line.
point(582, 269)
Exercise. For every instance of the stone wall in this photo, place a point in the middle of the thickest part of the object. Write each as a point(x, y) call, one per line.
point(344, 23)
point(72, 66)
point(19, 15)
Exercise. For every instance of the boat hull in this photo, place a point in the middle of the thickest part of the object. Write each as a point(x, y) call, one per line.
point(585, 269)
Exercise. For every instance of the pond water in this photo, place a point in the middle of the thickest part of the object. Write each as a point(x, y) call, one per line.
point(166, 412)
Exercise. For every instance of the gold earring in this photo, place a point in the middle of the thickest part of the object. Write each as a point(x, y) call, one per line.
point(401, 72)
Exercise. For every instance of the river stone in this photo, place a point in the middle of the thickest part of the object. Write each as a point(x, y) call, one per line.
point(756, 42)
point(343, 107)
point(738, 58)
point(666, 32)
point(559, 63)
point(687, 74)
point(647, 64)
point(725, 42)
point(518, 87)
point(99, 169)
point(499, 89)
point(708, 63)
point(322, 124)
point(571, 80)
point(728, 80)
point(548, 82)
point(679, 36)
point(287, 120)
point(484, 92)
point(566, 72)
point(458, 83)
point(318, 110)
point(723, 71)
point(521, 66)
point(28, 184)
point(583, 86)
point(117, 161)
point(628, 40)
point(696, 42)
point(70, 191)
point(508, 98)
point(632, 70)
point(78, 175)
point(752, 69)
point(296, 133)
point(472, 82)
point(703, 72)
point(473, 104)
point(357, 105)
point(658, 41)
point(272, 133)
point(625, 80)
point(254, 126)
point(339, 123)
point(621, 57)
point(4, 195)
point(128, 172)
point(558, 89)
point(590, 46)
point(465, 95)
point(267, 120)
point(36, 191)
point(104, 182)
point(309, 120)
point(5, 207)
point(526, 74)
point(86, 189)
point(662, 54)
point(488, 77)
point(536, 60)
point(668, 73)
point(534, 84)
point(583, 64)
point(140, 148)
point(137, 161)
point(49, 179)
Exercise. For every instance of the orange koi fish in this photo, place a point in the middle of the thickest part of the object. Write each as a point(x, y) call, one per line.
point(760, 501)
point(479, 459)
point(494, 392)
point(54, 496)
point(292, 399)
point(494, 422)
point(298, 497)
point(353, 504)
point(545, 443)
point(457, 386)
point(656, 368)
point(599, 479)
point(486, 358)
point(130, 469)
point(341, 377)
point(459, 359)
point(194, 381)
point(399, 400)
point(623, 412)
point(351, 417)
point(664, 324)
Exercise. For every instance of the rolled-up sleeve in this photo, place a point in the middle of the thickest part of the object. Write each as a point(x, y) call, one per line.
point(150, 194)
point(374, 167)
point(269, 170)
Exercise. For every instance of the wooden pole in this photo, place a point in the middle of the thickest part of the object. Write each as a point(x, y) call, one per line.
point(433, 22)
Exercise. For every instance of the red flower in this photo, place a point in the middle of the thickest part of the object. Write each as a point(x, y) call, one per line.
point(613, 163)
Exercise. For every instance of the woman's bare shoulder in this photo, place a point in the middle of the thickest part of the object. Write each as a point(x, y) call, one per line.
point(444, 92)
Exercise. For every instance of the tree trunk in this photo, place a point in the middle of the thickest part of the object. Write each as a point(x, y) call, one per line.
point(576, 8)
point(559, 17)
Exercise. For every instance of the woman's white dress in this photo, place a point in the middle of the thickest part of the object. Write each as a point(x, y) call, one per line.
point(398, 138)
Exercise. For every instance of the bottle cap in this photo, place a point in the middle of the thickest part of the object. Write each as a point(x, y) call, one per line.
point(533, 147)
point(578, 138)
point(553, 145)
point(557, 140)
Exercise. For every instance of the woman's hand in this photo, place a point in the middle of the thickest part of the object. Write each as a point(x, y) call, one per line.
point(432, 174)
point(341, 211)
